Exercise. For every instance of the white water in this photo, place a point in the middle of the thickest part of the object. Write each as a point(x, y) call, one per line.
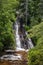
point(11, 57)
point(18, 42)
point(30, 44)
point(17, 37)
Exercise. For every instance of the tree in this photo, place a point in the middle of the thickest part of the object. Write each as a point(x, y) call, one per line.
point(6, 25)
point(34, 12)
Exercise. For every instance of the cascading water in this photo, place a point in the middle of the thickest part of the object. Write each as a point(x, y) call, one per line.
point(18, 41)
point(30, 44)
point(18, 44)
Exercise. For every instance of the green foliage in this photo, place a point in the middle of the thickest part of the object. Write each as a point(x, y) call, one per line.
point(34, 12)
point(26, 27)
point(35, 57)
point(40, 43)
point(36, 32)
point(1, 46)
point(33, 16)
point(6, 31)
point(9, 4)
point(7, 18)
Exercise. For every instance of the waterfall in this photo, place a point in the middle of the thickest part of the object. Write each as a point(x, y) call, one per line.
point(17, 37)
point(18, 41)
point(30, 44)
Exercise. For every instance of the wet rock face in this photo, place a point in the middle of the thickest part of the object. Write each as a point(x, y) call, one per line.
point(13, 63)
point(16, 62)
point(11, 57)
point(24, 43)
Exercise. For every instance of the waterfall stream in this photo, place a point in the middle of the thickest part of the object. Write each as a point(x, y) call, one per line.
point(18, 41)
point(30, 44)
point(17, 37)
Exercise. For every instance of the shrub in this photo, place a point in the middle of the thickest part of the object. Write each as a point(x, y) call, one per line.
point(36, 33)
point(35, 57)
point(1, 46)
